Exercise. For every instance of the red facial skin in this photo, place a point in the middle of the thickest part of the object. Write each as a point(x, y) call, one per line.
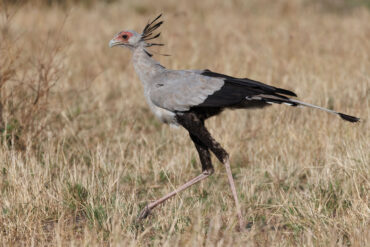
point(123, 37)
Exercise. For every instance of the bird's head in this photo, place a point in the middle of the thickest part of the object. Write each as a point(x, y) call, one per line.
point(126, 38)
point(133, 39)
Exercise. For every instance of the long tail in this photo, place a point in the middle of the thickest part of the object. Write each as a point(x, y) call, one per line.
point(275, 98)
point(343, 116)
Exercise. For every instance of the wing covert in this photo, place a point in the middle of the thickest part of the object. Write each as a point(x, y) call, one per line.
point(181, 90)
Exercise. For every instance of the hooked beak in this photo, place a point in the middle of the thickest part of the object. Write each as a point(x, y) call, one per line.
point(114, 42)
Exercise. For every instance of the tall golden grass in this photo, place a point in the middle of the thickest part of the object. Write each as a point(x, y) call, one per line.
point(81, 154)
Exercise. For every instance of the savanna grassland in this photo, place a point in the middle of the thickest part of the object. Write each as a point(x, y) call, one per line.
point(81, 154)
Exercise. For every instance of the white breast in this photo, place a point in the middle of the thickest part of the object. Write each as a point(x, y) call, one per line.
point(164, 115)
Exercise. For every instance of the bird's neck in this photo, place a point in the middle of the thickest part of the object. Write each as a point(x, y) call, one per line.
point(145, 66)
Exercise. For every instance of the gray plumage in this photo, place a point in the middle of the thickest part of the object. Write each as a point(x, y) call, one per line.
point(182, 89)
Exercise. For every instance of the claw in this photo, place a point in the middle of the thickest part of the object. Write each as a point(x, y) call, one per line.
point(144, 213)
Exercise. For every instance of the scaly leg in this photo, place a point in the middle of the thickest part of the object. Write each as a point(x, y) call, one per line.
point(146, 211)
point(233, 190)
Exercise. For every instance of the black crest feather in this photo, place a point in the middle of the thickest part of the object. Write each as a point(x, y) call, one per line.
point(148, 34)
point(150, 28)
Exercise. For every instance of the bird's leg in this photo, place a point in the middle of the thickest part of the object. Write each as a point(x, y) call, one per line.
point(207, 168)
point(146, 211)
point(233, 190)
point(223, 156)
point(196, 127)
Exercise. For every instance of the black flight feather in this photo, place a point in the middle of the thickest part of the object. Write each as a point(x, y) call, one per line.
point(349, 118)
point(249, 83)
point(245, 93)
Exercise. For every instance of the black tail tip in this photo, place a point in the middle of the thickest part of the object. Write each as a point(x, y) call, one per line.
point(349, 118)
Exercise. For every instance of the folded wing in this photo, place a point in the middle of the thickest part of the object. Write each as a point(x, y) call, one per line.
point(186, 89)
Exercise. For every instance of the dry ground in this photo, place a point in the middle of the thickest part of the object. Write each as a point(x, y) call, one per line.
point(81, 154)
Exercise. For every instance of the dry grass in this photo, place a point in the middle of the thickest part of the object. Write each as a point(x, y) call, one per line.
point(99, 155)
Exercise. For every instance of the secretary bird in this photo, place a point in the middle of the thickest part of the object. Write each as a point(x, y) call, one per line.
point(189, 97)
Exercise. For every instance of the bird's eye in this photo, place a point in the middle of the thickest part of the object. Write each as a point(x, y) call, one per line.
point(124, 36)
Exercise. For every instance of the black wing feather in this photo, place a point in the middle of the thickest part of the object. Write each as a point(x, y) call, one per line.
point(250, 83)
point(235, 92)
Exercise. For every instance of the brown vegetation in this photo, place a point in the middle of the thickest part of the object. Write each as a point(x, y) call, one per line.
point(81, 153)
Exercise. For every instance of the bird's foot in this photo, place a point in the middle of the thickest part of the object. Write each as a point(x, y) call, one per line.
point(144, 213)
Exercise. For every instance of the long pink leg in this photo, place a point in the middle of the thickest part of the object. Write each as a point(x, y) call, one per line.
point(146, 211)
point(233, 190)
